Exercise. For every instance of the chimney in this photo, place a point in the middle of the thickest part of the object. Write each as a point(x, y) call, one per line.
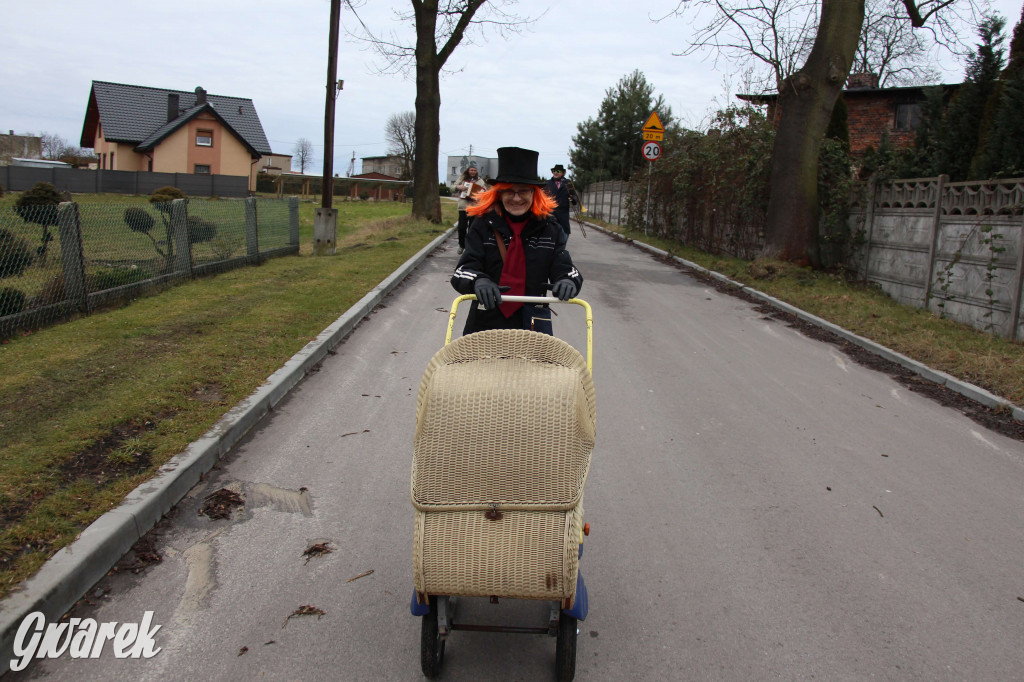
point(862, 81)
point(172, 106)
point(200, 96)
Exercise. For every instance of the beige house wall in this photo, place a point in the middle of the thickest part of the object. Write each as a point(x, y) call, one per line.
point(171, 155)
point(179, 153)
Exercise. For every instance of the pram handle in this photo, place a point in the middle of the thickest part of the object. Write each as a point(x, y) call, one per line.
point(536, 300)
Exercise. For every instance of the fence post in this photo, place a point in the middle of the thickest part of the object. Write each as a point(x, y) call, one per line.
point(935, 238)
point(179, 236)
point(1015, 310)
point(72, 260)
point(293, 222)
point(869, 223)
point(252, 234)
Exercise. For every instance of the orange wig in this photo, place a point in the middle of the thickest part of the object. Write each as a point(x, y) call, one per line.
point(543, 205)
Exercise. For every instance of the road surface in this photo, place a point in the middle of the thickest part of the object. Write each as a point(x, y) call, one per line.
point(762, 508)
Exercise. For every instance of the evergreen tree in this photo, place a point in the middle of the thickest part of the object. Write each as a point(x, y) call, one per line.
point(964, 116)
point(923, 160)
point(1002, 151)
point(609, 147)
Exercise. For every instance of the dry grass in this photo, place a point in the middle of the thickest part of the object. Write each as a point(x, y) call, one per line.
point(91, 408)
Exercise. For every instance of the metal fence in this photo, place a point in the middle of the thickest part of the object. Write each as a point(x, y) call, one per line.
point(57, 261)
point(82, 181)
point(607, 201)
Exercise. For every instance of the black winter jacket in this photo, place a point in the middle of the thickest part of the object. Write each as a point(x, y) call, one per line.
point(547, 260)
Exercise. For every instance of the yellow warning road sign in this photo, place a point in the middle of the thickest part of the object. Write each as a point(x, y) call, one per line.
point(653, 124)
point(653, 130)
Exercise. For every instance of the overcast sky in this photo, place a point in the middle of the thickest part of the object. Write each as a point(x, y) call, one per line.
point(529, 90)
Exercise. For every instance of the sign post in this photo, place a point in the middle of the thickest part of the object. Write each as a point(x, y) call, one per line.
point(653, 133)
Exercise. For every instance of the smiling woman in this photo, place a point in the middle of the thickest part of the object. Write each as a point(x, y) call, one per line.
point(514, 242)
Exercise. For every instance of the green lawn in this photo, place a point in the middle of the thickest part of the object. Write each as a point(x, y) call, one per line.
point(90, 408)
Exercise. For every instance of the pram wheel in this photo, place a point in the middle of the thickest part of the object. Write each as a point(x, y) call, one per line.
point(432, 644)
point(565, 649)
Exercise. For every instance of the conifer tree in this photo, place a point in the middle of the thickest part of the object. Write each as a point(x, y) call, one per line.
point(962, 122)
point(1001, 153)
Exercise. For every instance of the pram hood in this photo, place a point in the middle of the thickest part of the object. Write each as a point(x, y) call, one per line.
point(504, 418)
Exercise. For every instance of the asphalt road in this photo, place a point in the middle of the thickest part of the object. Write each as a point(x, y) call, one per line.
point(762, 508)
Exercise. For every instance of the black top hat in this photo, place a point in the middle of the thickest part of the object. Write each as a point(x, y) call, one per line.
point(559, 168)
point(517, 165)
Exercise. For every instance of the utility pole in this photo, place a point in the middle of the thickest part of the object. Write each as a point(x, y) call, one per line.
point(325, 227)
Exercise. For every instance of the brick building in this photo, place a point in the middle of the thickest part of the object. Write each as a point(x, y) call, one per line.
point(872, 110)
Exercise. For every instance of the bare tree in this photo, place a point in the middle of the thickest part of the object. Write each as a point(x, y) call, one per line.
point(749, 30)
point(400, 133)
point(303, 153)
point(440, 26)
point(890, 48)
point(52, 146)
point(771, 37)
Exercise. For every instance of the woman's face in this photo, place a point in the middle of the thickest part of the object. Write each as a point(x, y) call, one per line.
point(472, 171)
point(517, 199)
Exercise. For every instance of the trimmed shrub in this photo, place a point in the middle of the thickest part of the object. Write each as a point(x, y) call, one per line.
point(12, 301)
point(39, 204)
point(200, 230)
point(162, 195)
point(138, 219)
point(15, 254)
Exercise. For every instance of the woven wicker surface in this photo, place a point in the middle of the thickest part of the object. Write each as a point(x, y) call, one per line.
point(523, 555)
point(503, 417)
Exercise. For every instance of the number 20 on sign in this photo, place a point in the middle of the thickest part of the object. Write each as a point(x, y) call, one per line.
point(652, 150)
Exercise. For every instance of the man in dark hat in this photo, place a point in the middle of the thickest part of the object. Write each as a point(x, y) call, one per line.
point(562, 191)
point(515, 242)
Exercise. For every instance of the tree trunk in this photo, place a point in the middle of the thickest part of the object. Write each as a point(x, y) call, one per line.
point(426, 200)
point(805, 106)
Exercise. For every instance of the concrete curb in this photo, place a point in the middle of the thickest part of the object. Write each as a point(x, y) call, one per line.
point(965, 389)
point(69, 574)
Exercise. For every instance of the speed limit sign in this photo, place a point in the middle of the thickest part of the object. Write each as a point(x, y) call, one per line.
point(652, 150)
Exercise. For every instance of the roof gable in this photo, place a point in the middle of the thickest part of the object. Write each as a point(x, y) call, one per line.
point(137, 115)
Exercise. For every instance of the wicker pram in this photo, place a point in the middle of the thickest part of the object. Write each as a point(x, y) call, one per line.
point(505, 426)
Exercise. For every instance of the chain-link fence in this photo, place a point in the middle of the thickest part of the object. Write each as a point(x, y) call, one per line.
point(66, 259)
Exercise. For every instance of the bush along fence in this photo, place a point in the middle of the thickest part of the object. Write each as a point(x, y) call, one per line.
point(708, 190)
point(954, 248)
point(57, 261)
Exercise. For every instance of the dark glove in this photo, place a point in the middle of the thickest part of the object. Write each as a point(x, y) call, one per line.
point(487, 293)
point(564, 289)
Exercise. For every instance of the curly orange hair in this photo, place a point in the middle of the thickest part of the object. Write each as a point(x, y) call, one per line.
point(543, 205)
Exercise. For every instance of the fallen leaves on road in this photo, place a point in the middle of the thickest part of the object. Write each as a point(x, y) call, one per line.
point(305, 610)
point(218, 505)
point(243, 650)
point(317, 549)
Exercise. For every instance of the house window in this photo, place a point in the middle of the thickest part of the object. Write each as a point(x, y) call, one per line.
point(202, 169)
point(204, 138)
point(908, 116)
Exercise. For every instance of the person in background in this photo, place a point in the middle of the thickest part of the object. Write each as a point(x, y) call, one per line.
point(466, 188)
point(562, 191)
point(513, 241)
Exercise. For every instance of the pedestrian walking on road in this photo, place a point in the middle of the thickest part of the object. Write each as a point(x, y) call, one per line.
point(562, 191)
point(514, 241)
point(466, 188)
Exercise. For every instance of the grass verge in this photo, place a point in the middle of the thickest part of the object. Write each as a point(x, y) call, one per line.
point(91, 408)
